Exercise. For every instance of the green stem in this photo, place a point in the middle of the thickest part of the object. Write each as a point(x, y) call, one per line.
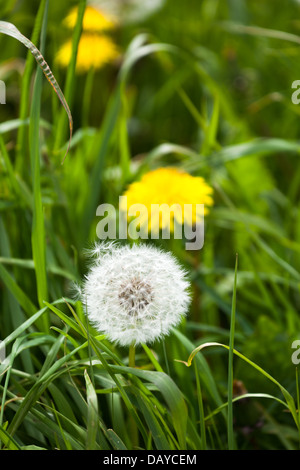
point(71, 76)
point(201, 409)
point(87, 97)
point(132, 355)
point(298, 403)
point(231, 443)
point(132, 423)
point(38, 241)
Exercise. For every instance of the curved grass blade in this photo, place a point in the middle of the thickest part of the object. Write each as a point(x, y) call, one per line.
point(10, 30)
point(242, 397)
point(39, 387)
point(47, 426)
point(288, 397)
point(12, 358)
point(34, 316)
point(8, 441)
point(258, 31)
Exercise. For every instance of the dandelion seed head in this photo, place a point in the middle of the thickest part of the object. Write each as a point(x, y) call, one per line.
point(134, 294)
point(75, 291)
point(100, 249)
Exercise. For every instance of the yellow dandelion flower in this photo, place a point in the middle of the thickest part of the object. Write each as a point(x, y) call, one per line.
point(94, 20)
point(94, 50)
point(168, 188)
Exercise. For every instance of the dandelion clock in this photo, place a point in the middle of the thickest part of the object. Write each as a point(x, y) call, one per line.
point(134, 294)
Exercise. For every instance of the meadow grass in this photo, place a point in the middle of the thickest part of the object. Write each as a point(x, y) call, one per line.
point(205, 87)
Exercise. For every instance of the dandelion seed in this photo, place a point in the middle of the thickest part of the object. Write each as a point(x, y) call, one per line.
point(134, 294)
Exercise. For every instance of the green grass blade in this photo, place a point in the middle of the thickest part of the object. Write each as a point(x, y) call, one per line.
point(38, 388)
point(158, 434)
point(25, 88)
point(70, 80)
point(201, 409)
point(264, 32)
point(38, 230)
point(16, 291)
point(8, 441)
point(172, 396)
point(231, 440)
point(288, 397)
point(10, 30)
point(241, 397)
point(92, 413)
point(115, 440)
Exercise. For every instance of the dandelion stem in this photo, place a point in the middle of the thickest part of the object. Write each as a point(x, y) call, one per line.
point(132, 355)
point(132, 424)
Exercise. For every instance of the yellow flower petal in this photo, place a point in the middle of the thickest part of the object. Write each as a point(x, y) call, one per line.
point(171, 189)
point(94, 50)
point(94, 20)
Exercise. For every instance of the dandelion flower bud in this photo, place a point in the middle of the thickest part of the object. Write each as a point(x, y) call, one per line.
point(134, 294)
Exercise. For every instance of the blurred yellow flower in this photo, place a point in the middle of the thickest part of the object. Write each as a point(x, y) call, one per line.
point(164, 188)
point(94, 50)
point(94, 21)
